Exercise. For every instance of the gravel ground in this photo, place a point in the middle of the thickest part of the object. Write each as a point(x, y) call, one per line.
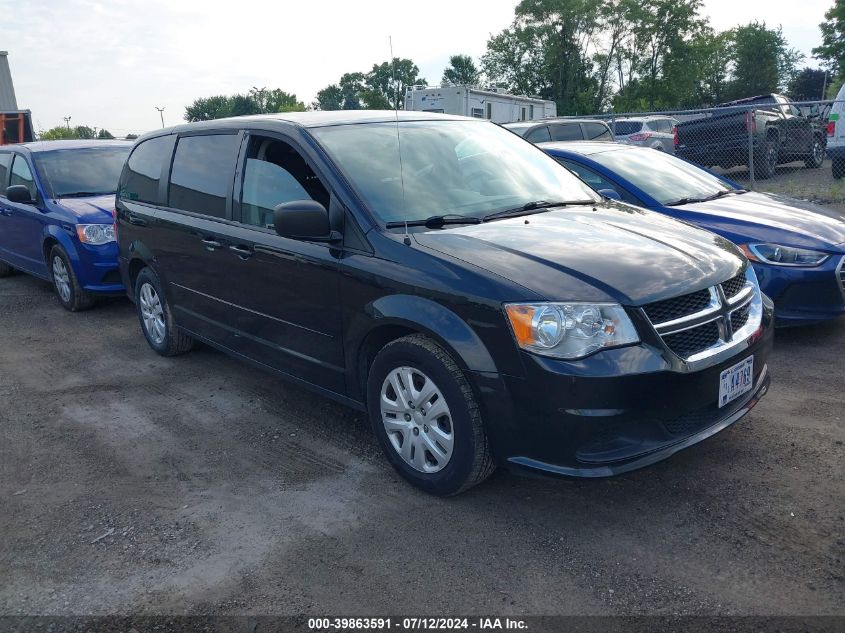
point(135, 484)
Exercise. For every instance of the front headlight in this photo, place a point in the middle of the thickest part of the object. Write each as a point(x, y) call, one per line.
point(95, 234)
point(783, 255)
point(570, 330)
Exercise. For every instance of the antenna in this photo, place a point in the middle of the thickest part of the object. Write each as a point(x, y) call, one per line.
point(407, 239)
point(161, 113)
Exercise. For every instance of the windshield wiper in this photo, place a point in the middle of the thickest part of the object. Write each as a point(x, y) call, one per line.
point(85, 194)
point(535, 206)
point(720, 194)
point(435, 221)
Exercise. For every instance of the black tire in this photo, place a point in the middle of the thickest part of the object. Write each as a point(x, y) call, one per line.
point(170, 340)
point(816, 158)
point(70, 294)
point(470, 462)
point(6, 270)
point(766, 160)
point(838, 167)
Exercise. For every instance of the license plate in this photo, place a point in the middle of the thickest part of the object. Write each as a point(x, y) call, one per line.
point(735, 381)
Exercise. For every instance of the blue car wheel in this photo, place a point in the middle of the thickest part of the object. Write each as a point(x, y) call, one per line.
point(71, 295)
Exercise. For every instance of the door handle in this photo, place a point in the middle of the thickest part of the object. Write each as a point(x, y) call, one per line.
point(211, 244)
point(243, 252)
point(137, 220)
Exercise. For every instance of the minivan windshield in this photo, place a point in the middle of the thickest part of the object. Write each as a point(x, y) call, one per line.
point(454, 168)
point(667, 179)
point(83, 172)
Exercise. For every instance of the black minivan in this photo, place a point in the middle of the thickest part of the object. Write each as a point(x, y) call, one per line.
point(482, 304)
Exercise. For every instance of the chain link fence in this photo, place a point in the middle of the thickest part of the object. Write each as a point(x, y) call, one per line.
point(767, 144)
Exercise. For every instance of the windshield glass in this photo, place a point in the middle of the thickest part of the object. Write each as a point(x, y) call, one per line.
point(663, 177)
point(623, 128)
point(93, 170)
point(456, 168)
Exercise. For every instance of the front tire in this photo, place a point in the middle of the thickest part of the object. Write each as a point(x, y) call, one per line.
point(426, 418)
point(816, 158)
point(156, 317)
point(766, 160)
point(70, 293)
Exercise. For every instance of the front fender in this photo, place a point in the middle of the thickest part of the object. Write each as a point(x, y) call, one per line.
point(54, 232)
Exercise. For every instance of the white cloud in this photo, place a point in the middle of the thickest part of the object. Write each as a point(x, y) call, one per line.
point(109, 63)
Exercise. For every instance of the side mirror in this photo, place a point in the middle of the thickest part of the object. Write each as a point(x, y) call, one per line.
point(19, 193)
point(610, 193)
point(304, 220)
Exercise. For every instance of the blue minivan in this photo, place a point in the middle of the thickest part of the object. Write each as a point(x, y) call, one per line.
point(57, 216)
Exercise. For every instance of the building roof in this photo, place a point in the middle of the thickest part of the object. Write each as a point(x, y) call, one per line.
point(8, 101)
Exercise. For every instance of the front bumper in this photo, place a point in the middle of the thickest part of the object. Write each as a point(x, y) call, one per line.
point(96, 268)
point(805, 295)
point(613, 412)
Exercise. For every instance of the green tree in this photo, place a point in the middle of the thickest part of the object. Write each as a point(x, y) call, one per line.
point(344, 95)
point(208, 108)
point(276, 100)
point(461, 71)
point(105, 134)
point(831, 52)
point(57, 133)
point(385, 85)
point(329, 98)
point(807, 85)
point(762, 60)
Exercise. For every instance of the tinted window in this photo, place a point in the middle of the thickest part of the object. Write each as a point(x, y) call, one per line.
point(624, 128)
point(596, 132)
point(203, 170)
point(22, 175)
point(5, 161)
point(664, 125)
point(540, 135)
point(142, 173)
point(276, 173)
point(665, 178)
point(566, 132)
point(95, 170)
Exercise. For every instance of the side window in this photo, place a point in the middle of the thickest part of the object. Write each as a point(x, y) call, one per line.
point(566, 132)
point(5, 161)
point(596, 181)
point(540, 135)
point(202, 174)
point(275, 173)
point(597, 132)
point(22, 175)
point(142, 173)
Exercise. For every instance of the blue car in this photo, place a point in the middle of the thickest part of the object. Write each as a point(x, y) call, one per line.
point(797, 248)
point(57, 216)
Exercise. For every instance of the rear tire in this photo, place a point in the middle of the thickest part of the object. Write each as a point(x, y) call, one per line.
point(71, 295)
point(429, 425)
point(156, 317)
point(766, 160)
point(816, 158)
point(6, 270)
point(838, 167)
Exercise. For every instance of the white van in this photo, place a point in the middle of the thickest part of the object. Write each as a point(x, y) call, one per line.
point(836, 134)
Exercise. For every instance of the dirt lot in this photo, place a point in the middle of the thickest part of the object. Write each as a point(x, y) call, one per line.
point(131, 483)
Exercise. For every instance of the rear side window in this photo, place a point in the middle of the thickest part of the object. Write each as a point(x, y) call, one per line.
point(5, 161)
point(624, 128)
point(566, 132)
point(596, 132)
point(540, 135)
point(142, 174)
point(202, 174)
point(22, 175)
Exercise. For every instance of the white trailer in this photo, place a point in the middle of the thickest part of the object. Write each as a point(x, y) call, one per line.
point(493, 104)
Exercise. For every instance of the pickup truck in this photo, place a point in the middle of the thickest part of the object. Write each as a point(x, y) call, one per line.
point(779, 133)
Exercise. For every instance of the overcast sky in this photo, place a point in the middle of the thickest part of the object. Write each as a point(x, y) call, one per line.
point(110, 63)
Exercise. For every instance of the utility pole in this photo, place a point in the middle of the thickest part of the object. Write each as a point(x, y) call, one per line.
point(67, 122)
point(161, 112)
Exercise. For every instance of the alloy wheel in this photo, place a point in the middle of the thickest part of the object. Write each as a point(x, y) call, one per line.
point(61, 278)
point(417, 419)
point(152, 313)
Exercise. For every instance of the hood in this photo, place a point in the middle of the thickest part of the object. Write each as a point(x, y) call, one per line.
point(94, 210)
point(610, 252)
point(771, 218)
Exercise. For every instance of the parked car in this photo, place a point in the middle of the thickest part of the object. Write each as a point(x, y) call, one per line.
point(656, 132)
point(562, 130)
point(481, 303)
point(836, 134)
point(797, 248)
point(57, 216)
point(779, 133)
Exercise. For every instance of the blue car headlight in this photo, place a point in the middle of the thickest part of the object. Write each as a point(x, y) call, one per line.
point(784, 255)
point(95, 234)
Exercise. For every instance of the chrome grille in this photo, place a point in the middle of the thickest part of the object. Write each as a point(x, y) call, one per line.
point(699, 325)
point(677, 307)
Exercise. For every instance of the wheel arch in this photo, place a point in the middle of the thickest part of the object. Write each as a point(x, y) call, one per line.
point(54, 235)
